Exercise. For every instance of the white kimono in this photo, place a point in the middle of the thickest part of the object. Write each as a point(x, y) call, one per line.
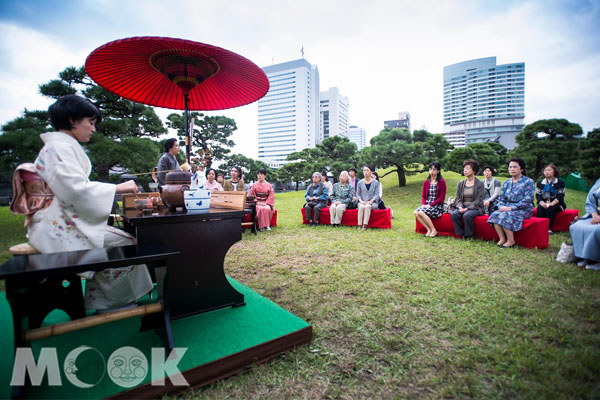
point(77, 220)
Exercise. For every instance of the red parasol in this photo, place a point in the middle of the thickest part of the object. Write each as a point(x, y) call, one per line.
point(176, 73)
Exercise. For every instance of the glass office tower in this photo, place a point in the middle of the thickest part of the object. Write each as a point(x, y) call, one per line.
point(484, 102)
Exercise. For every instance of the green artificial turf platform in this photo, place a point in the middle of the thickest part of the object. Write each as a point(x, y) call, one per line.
point(219, 344)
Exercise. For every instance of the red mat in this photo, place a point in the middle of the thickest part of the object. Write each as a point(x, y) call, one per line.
point(534, 232)
point(379, 218)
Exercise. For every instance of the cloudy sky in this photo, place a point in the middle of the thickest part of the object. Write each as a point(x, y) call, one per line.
point(387, 56)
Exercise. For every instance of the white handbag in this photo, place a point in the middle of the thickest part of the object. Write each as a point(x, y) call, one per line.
point(566, 253)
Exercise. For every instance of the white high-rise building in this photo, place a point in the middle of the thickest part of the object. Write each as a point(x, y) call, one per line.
point(288, 115)
point(484, 102)
point(357, 136)
point(334, 114)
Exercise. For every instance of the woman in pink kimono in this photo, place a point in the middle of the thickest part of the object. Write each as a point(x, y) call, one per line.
point(265, 200)
point(77, 217)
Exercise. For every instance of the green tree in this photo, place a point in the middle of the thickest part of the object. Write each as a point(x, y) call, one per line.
point(483, 153)
point(20, 140)
point(435, 146)
point(590, 156)
point(406, 153)
point(249, 165)
point(121, 119)
point(548, 141)
point(334, 154)
point(310, 159)
point(209, 134)
point(293, 172)
point(337, 154)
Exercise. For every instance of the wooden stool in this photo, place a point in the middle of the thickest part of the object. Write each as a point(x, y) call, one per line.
point(23, 249)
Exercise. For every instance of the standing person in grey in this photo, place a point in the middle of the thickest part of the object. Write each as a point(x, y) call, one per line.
point(167, 161)
point(469, 201)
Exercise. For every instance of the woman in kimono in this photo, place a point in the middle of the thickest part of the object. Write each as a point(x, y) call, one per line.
point(265, 200)
point(77, 217)
point(586, 232)
point(515, 204)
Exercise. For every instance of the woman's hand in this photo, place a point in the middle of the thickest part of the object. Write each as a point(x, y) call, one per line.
point(425, 205)
point(127, 187)
point(486, 203)
point(505, 208)
point(595, 218)
point(544, 204)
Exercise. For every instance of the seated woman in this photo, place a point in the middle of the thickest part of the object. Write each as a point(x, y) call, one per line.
point(515, 204)
point(236, 183)
point(265, 200)
point(220, 179)
point(328, 185)
point(469, 201)
point(375, 176)
point(586, 232)
point(77, 217)
point(211, 183)
point(432, 199)
point(368, 197)
point(341, 197)
point(550, 195)
point(316, 197)
point(492, 190)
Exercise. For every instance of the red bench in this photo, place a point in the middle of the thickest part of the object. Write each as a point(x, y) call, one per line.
point(248, 218)
point(563, 219)
point(533, 234)
point(379, 218)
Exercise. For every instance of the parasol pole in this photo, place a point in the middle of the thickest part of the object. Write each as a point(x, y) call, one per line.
point(188, 139)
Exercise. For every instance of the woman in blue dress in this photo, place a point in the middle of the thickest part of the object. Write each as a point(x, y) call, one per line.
point(586, 232)
point(515, 204)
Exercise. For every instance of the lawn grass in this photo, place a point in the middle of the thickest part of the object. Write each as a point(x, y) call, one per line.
point(399, 315)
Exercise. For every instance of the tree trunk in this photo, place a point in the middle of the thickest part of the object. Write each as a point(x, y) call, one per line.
point(103, 175)
point(297, 182)
point(401, 176)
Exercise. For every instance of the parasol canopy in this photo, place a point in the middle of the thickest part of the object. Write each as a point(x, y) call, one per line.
point(176, 73)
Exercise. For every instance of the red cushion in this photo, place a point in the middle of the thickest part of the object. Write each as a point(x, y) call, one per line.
point(563, 219)
point(533, 234)
point(379, 218)
point(248, 218)
point(443, 225)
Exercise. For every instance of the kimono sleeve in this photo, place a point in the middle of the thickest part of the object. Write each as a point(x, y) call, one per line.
point(65, 173)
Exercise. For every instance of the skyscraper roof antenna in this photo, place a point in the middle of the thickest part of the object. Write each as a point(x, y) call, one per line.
point(302, 51)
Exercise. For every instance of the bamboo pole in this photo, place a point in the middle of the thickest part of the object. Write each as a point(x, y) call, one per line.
point(87, 322)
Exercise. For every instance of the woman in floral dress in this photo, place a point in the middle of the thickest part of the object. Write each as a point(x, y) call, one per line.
point(515, 204)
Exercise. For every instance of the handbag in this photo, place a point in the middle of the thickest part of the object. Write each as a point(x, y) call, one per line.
point(449, 205)
point(566, 253)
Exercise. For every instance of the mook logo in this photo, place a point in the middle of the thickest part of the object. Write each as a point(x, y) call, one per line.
point(126, 367)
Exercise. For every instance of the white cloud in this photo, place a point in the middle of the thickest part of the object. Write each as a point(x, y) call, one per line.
point(386, 56)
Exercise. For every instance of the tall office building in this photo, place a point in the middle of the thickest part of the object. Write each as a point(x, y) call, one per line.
point(403, 121)
point(288, 115)
point(484, 102)
point(358, 136)
point(333, 114)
